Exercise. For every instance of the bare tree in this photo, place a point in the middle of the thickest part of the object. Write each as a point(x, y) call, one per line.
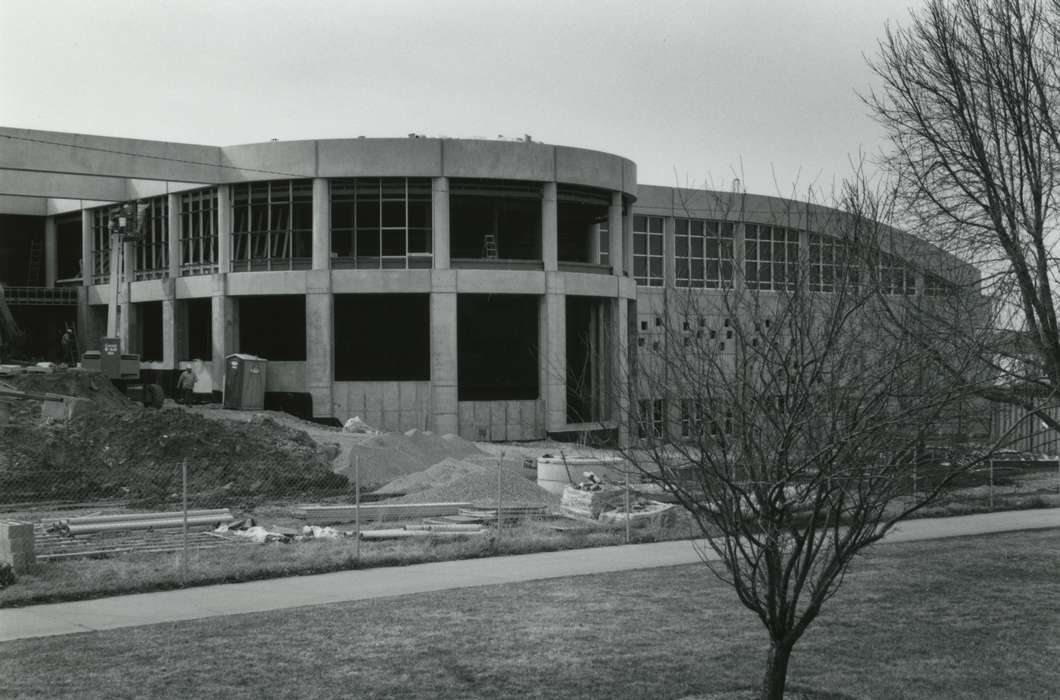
point(970, 99)
point(784, 411)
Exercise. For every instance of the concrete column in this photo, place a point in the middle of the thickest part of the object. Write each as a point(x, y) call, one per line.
point(173, 235)
point(614, 229)
point(126, 323)
point(114, 287)
point(550, 228)
point(51, 252)
point(554, 354)
point(169, 323)
point(224, 330)
point(320, 341)
point(86, 247)
point(85, 336)
point(627, 242)
point(321, 224)
point(224, 229)
point(440, 223)
point(620, 368)
point(443, 360)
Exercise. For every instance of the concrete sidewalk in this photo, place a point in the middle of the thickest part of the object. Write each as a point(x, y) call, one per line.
point(277, 594)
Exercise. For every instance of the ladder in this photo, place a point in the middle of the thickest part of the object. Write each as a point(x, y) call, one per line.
point(36, 256)
point(489, 246)
point(72, 327)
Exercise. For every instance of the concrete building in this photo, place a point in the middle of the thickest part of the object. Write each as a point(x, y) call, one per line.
point(486, 288)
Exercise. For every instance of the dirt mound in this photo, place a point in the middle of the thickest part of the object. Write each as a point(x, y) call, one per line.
point(478, 485)
point(390, 455)
point(445, 472)
point(137, 453)
point(87, 384)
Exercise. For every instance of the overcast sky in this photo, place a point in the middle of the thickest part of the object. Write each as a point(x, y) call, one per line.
point(694, 91)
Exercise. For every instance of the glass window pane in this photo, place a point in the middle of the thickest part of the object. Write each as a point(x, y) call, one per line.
point(656, 224)
point(367, 214)
point(393, 214)
point(640, 244)
point(656, 267)
point(640, 223)
point(367, 242)
point(419, 240)
point(394, 242)
point(697, 228)
point(656, 245)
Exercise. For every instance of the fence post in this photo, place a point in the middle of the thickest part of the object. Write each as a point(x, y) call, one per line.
point(184, 490)
point(991, 484)
point(500, 465)
point(357, 509)
point(627, 503)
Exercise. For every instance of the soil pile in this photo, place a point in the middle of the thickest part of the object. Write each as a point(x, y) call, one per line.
point(445, 472)
point(84, 383)
point(136, 453)
point(385, 457)
point(466, 482)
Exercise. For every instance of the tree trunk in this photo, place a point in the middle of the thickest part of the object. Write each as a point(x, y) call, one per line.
point(776, 672)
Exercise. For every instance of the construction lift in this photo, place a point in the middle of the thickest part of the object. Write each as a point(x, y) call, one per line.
point(122, 368)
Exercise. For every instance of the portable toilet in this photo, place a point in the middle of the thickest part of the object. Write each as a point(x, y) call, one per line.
point(244, 385)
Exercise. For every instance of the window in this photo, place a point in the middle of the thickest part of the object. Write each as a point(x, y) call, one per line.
point(272, 225)
point(604, 251)
point(151, 245)
point(648, 250)
point(652, 417)
point(895, 276)
point(381, 223)
point(198, 232)
point(101, 244)
point(771, 257)
point(935, 286)
point(831, 264)
point(703, 253)
point(692, 412)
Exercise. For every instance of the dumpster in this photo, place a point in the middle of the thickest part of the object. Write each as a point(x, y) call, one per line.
point(244, 385)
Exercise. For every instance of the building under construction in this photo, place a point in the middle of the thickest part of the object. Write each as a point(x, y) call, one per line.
point(486, 288)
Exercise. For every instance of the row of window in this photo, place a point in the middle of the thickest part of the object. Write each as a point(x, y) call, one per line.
point(704, 258)
point(386, 223)
point(695, 419)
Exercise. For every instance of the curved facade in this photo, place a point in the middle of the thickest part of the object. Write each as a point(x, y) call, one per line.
point(486, 288)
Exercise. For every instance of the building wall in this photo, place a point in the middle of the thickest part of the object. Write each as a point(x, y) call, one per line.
point(395, 404)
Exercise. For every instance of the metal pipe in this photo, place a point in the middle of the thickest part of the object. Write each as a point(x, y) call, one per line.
point(146, 524)
point(119, 517)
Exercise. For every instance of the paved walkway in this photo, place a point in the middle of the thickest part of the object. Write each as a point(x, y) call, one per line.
point(277, 594)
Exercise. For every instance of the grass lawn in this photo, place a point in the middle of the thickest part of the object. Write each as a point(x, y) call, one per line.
point(960, 618)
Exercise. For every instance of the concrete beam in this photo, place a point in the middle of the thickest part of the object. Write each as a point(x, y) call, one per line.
point(83, 154)
point(25, 206)
point(28, 183)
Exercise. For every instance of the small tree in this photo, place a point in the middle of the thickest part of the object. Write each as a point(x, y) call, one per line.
point(785, 410)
